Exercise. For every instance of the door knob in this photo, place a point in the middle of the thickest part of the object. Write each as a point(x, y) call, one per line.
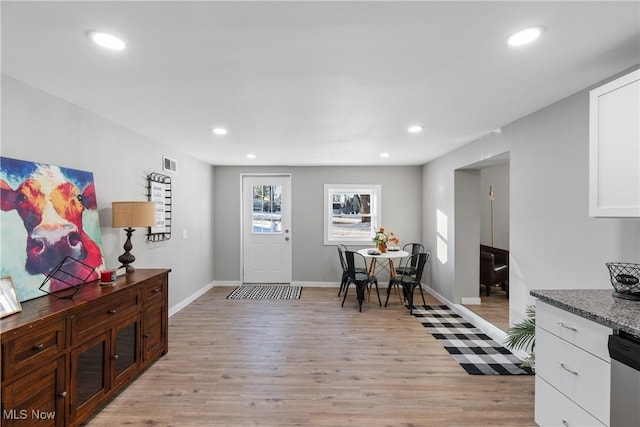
point(286, 238)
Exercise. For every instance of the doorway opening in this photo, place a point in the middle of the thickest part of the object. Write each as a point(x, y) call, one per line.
point(481, 218)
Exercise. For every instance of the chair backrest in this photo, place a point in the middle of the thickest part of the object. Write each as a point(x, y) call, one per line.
point(411, 260)
point(413, 249)
point(354, 260)
point(341, 250)
point(422, 261)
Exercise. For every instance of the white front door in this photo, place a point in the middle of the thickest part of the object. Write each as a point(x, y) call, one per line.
point(266, 229)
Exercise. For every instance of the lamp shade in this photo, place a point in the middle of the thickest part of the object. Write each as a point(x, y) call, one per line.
point(133, 214)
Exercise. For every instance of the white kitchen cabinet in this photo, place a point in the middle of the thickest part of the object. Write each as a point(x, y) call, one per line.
point(614, 148)
point(556, 409)
point(573, 369)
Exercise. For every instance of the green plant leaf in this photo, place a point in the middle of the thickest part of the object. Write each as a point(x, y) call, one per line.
point(522, 335)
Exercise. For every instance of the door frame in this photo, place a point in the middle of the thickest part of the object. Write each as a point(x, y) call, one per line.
point(287, 175)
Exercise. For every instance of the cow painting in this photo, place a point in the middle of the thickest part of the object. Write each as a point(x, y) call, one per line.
point(48, 213)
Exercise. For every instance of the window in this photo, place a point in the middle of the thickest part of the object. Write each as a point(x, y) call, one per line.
point(267, 213)
point(351, 213)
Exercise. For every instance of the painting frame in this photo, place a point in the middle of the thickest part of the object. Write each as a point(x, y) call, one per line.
point(9, 303)
point(47, 212)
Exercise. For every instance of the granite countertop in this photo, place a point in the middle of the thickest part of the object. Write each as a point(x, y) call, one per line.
point(597, 305)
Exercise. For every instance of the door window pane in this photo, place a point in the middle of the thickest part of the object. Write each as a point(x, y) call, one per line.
point(90, 372)
point(267, 209)
point(126, 348)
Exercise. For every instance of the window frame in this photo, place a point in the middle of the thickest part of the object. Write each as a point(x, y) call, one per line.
point(375, 192)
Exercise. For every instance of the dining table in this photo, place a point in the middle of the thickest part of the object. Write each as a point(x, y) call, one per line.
point(374, 255)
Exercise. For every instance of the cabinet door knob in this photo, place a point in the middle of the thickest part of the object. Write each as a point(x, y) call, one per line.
point(112, 311)
point(147, 335)
point(156, 290)
point(38, 347)
point(115, 357)
point(62, 394)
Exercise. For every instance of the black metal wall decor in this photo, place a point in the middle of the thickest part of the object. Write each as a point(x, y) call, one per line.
point(69, 274)
point(160, 193)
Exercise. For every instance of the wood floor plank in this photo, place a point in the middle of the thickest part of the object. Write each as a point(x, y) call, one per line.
point(310, 362)
point(494, 308)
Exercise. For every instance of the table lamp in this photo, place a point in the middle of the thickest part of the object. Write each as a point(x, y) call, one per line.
point(128, 215)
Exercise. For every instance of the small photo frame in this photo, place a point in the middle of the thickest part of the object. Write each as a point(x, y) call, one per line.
point(9, 303)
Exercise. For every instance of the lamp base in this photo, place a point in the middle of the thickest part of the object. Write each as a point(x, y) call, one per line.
point(127, 257)
point(128, 268)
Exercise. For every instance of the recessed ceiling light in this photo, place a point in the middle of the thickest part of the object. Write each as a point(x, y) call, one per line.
point(414, 129)
point(524, 36)
point(108, 41)
point(219, 131)
point(384, 155)
point(251, 156)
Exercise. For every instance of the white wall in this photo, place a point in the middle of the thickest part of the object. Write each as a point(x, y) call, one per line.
point(467, 225)
point(438, 213)
point(312, 261)
point(39, 127)
point(554, 244)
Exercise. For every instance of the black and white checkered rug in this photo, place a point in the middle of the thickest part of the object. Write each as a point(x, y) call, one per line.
point(476, 352)
point(265, 292)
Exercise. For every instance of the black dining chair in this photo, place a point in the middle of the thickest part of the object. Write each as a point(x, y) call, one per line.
point(410, 282)
point(409, 267)
point(343, 281)
point(362, 281)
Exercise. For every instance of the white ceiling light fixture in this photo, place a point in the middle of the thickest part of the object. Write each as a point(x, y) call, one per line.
point(525, 36)
point(106, 40)
point(219, 131)
point(251, 156)
point(414, 129)
point(384, 155)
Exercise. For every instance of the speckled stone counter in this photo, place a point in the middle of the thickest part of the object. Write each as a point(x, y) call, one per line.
point(597, 305)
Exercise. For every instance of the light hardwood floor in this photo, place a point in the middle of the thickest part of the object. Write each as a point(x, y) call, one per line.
point(310, 362)
point(494, 308)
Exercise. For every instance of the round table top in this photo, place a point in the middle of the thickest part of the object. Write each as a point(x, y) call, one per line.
point(388, 254)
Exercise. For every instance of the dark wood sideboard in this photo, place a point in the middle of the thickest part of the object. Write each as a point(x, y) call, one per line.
point(62, 359)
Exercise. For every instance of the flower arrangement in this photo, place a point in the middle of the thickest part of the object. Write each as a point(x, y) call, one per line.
point(382, 238)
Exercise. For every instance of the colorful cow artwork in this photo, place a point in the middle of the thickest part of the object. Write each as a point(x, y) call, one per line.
point(54, 210)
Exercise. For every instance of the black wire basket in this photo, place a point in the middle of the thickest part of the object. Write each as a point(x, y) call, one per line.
point(625, 279)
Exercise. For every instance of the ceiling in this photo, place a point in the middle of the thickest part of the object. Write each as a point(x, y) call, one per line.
point(316, 83)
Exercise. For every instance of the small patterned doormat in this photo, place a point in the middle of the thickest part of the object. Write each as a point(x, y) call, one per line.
point(266, 292)
point(476, 352)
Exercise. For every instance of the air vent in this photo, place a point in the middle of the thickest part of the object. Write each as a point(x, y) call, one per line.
point(169, 165)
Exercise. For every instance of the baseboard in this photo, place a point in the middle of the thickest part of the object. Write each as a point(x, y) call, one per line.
point(383, 285)
point(316, 284)
point(226, 283)
point(191, 298)
point(470, 301)
point(292, 283)
point(435, 294)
